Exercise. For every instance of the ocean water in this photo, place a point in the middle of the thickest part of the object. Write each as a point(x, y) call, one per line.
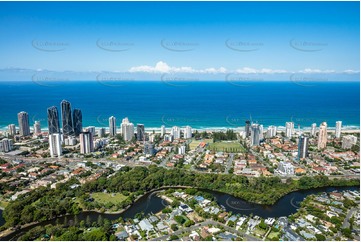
point(202, 104)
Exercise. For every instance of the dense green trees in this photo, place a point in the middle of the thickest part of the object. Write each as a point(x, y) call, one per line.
point(45, 203)
point(228, 135)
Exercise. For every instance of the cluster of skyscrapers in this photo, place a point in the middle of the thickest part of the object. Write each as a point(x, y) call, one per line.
point(72, 125)
point(255, 134)
point(72, 122)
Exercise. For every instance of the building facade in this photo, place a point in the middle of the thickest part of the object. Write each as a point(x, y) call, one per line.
point(23, 119)
point(55, 145)
point(53, 120)
point(86, 142)
point(66, 118)
point(127, 129)
point(322, 136)
point(112, 126)
point(338, 129)
point(303, 147)
point(77, 121)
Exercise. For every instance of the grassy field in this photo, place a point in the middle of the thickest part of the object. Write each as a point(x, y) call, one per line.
point(3, 204)
point(104, 198)
point(259, 232)
point(273, 235)
point(232, 146)
point(195, 143)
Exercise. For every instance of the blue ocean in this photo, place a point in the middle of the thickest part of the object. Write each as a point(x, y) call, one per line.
point(202, 104)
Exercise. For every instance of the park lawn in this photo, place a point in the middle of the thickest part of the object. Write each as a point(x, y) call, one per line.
point(104, 198)
point(259, 232)
point(232, 146)
point(193, 145)
point(187, 166)
point(273, 235)
point(3, 204)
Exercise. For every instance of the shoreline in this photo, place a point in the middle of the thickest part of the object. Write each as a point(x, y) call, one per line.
point(345, 129)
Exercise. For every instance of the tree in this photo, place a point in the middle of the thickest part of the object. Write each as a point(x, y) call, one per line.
point(179, 219)
point(82, 224)
point(167, 210)
point(76, 221)
point(174, 227)
point(88, 221)
point(100, 221)
point(173, 237)
point(320, 237)
point(189, 223)
point(175, 203)
point(262, 225)
point(95, 235)
point(346, 232)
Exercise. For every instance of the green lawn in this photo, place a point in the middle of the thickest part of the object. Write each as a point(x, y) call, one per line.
point(259, 232)
point(232, 146)
point(273, 235)
point(3, 204)
point(104, 198)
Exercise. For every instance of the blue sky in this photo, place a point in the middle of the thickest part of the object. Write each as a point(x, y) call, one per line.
point(203, 39)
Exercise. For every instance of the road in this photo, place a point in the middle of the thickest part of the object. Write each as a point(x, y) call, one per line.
point(206, 223)
point(229, 163)
point(346, 223)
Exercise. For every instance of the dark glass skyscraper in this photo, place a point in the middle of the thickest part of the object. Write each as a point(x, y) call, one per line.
point(77, 121)
point(67, 122)
point(140, 132)
point(247, 128)
point(302, 147)
point(53, 120)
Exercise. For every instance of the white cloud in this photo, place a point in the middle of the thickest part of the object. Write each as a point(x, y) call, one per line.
point(162, 67)
point(351, 72)
point(309, 70)
point(248, 70)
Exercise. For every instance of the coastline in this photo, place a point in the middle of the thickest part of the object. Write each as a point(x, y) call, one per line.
point(345, 129)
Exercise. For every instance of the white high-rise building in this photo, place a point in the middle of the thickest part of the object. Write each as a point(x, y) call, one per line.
point(101, 132)
point(112, 126)
point(289, 129)
point(23, 119)
point(6, 145)
point(271, 131)
point(313, 129)
point(348, 141)
point(37, 128)
point(322, 136)
point(70, 140)
point(168, 138)
point(261, 132)
point(188, 132)
point(176, 132)
point(90, 129)
point(338, 129)
point(151, 138)
point(55, 145)
point(182, 150)
point(127, 129)
point(255, 133)
point(12, 129)
point(162, 130)
point(86, 142)
point(286, 168)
